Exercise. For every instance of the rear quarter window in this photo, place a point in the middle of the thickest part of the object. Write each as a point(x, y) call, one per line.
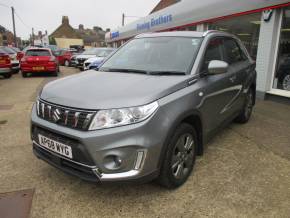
point(38, 53)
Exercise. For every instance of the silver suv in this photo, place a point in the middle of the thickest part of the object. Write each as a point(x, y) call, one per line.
point(149, 110)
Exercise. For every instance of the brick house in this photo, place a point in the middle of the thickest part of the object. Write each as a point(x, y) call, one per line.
point(65, 35)
point(7, 37)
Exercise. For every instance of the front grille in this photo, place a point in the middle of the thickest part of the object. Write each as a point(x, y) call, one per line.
point(83, 172)
point(81, 61)
point(72, 118)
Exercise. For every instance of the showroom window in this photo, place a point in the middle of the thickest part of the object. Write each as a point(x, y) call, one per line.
point(246, 27)
point(282, 75)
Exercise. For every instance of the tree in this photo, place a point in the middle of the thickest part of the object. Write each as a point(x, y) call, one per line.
point(52, 41)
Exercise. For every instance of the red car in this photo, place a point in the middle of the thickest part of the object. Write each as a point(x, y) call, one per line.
point(5, 65)
point(63, 57)
point(37, 60)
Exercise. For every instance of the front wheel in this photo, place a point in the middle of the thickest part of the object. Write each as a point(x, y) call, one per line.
point(248, 108)
point(180, 157)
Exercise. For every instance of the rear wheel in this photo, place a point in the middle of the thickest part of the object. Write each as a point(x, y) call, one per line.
point(180, 157)
point(7, 75)
point(55, 73)
point(248, 108)
point(24, 74)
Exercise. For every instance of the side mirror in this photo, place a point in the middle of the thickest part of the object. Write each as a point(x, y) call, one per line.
point(217, 67)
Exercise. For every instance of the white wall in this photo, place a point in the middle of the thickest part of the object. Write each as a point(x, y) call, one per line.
point(266, 56)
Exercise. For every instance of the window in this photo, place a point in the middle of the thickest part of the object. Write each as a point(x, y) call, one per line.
point(233, 52)
point(213, 52)
point(246, 27)
point(38, 53)
point(282, 75)
point(156, 54)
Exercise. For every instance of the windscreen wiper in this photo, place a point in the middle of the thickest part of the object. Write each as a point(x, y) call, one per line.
point(126, 70)
point(167, 73)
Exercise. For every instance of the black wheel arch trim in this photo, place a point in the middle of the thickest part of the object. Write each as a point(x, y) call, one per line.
point(176, 123)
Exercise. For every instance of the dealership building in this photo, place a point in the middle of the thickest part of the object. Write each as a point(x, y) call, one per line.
point(262, 25)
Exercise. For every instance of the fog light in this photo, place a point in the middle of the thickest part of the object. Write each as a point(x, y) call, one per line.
point(139, 160)
point(112, 162)
point(118, 161)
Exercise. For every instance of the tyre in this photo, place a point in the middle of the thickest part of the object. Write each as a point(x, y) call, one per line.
point(66, 63)
point(284, 82)
point(16, 71)
point(24, 74)
point(248, 108)
point(180, 157)
point(55, 73)
point(7, 75)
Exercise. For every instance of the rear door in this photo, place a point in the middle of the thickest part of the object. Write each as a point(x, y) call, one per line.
point(239, 66)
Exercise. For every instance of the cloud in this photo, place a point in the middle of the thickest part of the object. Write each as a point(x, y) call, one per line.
point(46, 15)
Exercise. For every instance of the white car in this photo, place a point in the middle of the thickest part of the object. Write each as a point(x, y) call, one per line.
point(92, 53)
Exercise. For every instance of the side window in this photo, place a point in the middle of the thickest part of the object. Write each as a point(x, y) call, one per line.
point(233, 52)
point(213, 52)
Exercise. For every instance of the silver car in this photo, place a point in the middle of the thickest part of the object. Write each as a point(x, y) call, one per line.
point(149, 110)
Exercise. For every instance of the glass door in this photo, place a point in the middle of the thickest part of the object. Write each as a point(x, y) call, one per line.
point(281, 81)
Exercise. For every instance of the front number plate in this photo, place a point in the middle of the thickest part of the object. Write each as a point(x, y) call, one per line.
point(55, 146)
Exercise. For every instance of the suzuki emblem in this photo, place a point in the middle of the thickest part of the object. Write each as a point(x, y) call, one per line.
point(56, 115)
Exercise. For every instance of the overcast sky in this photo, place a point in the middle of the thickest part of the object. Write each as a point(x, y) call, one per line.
point(47, 14)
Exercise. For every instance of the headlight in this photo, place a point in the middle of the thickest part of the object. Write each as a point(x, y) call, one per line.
point(120, 117)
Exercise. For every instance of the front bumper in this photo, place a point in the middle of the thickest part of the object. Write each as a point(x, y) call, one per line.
point(92, 162)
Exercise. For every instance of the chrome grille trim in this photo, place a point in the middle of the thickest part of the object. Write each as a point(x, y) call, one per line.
point(69, 117)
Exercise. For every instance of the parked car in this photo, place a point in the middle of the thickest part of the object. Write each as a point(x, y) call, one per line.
point(73, 60)
point(63, 56)
point(5, 64)
point(13, 56)
point(37, 60)
point(283, 73)
point(95, 62)
point(149, 110)
point(89, 53)
point(21, 54)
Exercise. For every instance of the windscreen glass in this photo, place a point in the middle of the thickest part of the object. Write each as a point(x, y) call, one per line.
point(38, 53)
point(156, 54)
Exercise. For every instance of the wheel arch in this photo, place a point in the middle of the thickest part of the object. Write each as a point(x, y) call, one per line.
point(192, 118)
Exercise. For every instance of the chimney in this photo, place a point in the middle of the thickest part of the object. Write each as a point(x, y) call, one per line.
point(65, 20)
point(81, 27)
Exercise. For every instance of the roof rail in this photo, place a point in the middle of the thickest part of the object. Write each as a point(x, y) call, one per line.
point(208, 32)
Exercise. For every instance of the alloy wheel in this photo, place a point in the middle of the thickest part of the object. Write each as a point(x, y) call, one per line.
point(286, 83)
point(183, 156)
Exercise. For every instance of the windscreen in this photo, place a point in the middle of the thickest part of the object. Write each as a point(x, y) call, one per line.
point(8, 50)
point(37, 52)
point(156, 54)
